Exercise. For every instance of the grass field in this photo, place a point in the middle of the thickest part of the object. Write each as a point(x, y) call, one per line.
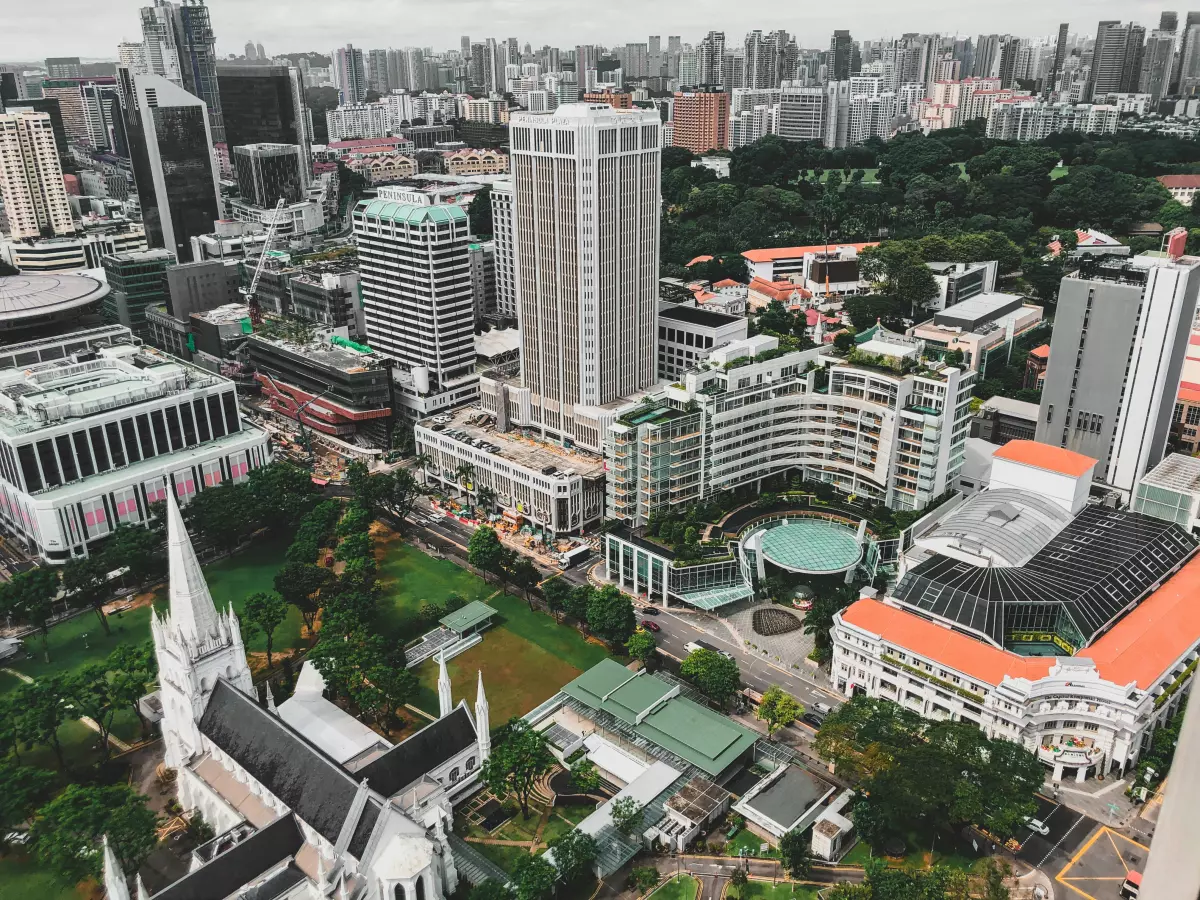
point(525, 658)
point(764, 890)
point(504, 857)
point(751, 843)
point(681, 887)
point(920, 858)
point(410, 577)
point(23, 879)
point(81, 640)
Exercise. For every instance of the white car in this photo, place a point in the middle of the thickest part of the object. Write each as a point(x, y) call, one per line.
point(1037, 826)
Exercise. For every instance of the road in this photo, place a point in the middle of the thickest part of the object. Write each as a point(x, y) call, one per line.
point(713, 872)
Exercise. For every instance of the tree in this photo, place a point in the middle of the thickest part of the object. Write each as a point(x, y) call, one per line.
point(738, 880)
point(534, 877)
point(574, 854)
point(68, 830)
point(610, 614)
point(131, 668)
point(298, 583)
point(795, 849)
point(644, 878)
point(43, 705)
point(556, 591)
point(281, 493)
point(714, 673)
point(898, 269)
point(263, 613)
point(642, 646)
point(490, 890)
point(525, 576)
point(778, 709)
point(91, 694)
point(139, 549)
point(578, 602)
point(584, 776)
point(223, 516)
point(22, 790)
point(85, 579)
point(626, 816)
point(383, 689)
point(517, 762)
point(484, 550)
point(28, 597)
point(479, 213)
point(399, 494)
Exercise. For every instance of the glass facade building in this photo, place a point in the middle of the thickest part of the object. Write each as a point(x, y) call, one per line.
point(262, 105)
point(267, 173)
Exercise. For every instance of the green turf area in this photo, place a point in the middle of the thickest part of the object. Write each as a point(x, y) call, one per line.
point(1059, 172)
point(556, 827)
point(575, 812)
point(681, 887)
point(858, 855)
point(22, 879)
point(503, 856)
point(81, 640)
point(748, 843)
point(944, 854)
point(525, 656)
point(764, 890)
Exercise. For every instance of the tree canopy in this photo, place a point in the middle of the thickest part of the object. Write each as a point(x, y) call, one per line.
point(714, 673)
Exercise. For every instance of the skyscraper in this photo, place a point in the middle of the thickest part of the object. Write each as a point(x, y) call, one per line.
point(1187, 60)
point(1116, 59)
point(1158, 62)
point(1120, 336)
point(181, 47)
point(711, 59)
point(1168, 21)
point(418, 299)
point(31, 181)
point(586, 209)
point(267, 173)
point(170, 143)
point(844, 59)
point(63, 67)
point(1060, 54)
point(1010, 48)
point(350, 74)
point(263, 105)
point(377, 72)
point(986, 61)
point(464, 46)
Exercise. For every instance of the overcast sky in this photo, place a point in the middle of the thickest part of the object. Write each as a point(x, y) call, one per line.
point(93, 28)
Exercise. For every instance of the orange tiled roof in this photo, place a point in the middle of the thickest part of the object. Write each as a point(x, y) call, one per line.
point(771, 254)
point(1179, 181)
point(699, 259)
point(726, 282)
point(1157, 633)
point(777, 290)
point(1189, 394)
point(1046, 456)
point(1042, 352)
point(956, 651)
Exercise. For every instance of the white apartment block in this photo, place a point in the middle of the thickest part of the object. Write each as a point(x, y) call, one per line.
point(102, 428)
point(1032, 120)
point(359, 120)
point(502, 234)
point(31, 181)
point(586, 211)
point(493, 110)
point(751, 125)
point(687, 333)
point(801, 112)
point(418, 298)
point(888, 427)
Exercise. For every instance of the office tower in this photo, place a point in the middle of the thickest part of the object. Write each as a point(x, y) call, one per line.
point(494, 73)
point(512, 52)
point(102, 112)
point(1010, 48)
point(1158, 61)
point(137, 281)
point(464, 47)
point(31, 181)
point(986, 62)
point(263, 105)
point(413, 69)
point(133, 57)
point(587, 202)
point(267, 173)
point(1168, 21)
point(158, 37)
point(1116, 59)
point(1120, 336)
point(710, 57)
point(377, 72)
point(12, 85)
point(350, 74)
point(417, 295)
point(701, 121)
point(262, 53)
point(63, 67)
point(180, 46)
point(251, 53)
point(844, 59)
point(170, 144)
point(502, 236)
point(1060, 54)
point(801, 112)
point(1187, 42)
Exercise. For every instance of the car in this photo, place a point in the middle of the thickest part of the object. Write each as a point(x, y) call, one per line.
point(822, 709)
point(812, 719)
point(1037, 826)
point(650, 625)
point(650, 610)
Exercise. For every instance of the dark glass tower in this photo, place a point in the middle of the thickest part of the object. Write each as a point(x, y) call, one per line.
point(262, 105)
point(267, 173)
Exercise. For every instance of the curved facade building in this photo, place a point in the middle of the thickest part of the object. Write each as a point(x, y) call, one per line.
point(42, 303)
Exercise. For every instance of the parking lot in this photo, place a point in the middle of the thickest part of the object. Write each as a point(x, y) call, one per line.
point(1095, 871)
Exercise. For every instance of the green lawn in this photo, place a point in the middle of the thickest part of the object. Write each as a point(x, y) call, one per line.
point(504, 857)
point(22, 879)
point(1059, 172)
point(764, 890)
point(944, 855)
point(410, 577)
point(81, 640)
point(575, 812)
point(681, 887)
point(750, 842)
point(556, 827)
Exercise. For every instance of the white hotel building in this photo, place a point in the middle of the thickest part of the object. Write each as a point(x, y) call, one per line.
point(94, 427)
point(1068, 627)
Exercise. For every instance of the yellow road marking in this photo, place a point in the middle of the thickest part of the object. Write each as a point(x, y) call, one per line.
point(1118, 852)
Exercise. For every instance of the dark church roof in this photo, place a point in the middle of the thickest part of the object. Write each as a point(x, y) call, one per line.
point(419, 754)
point(1093, 570)
point(231, 870)
point(314, 787)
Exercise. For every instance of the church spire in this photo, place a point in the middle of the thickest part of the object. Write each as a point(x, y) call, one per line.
point(445, 697)
point(483, 723)
point(192, 609)
point(115, 885)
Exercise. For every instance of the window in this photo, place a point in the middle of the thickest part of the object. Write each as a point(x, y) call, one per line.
point(398, 892)
point(80, 441)
point(45, 453)
point(201, 420)
point(420, 885)
point(95, 517)
point(127, 506)
point(145, 437)
point(215, 419)
point(239, 468)
point(211, 471)
point(470, 764)
point(173, 428)
point(29, 468)
point(455, 774)
point(160, 432)
point(99, 449)
point(185, 484)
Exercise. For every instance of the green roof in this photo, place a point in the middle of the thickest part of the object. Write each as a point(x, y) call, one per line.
point(657, 712)
point(469, 616)
point(410, 214)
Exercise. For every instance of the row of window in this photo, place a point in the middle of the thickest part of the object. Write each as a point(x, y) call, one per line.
point(51, 462)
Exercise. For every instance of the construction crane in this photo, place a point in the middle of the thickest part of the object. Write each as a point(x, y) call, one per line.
point(251, 293)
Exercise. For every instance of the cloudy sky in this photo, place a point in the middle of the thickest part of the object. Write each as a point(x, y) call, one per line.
point(93, 28)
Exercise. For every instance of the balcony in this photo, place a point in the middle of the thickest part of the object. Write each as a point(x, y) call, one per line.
point(1070, 754)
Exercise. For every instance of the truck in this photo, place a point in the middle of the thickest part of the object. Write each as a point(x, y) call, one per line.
point(1131, 885)
point(575, 555)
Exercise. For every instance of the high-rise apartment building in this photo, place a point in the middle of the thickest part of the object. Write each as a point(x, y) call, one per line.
point(263, 105)
point(801, 112)
point(505, 255)
point(586, 207)
point(1120, 336)
point(710, 58)
point(170, 144)
point(63, 67)
point(418, 299)
point(70, 94)
point(1060, 55)
point(181, 46)
point(1116, 59)
point(1010, 49)
point(377, 72)
point(349, 74)
point(267, 173)
point(701, 121)
point(844, 56)
point(1158, 62)
point(1187, 40)
point(31, 181)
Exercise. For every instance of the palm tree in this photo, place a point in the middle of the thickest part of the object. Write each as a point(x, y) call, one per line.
point(486, 498)
point(464, 473)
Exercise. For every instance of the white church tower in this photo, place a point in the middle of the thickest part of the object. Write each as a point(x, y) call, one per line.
point(483, 724)
point(195, 645)
point(445, 697)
